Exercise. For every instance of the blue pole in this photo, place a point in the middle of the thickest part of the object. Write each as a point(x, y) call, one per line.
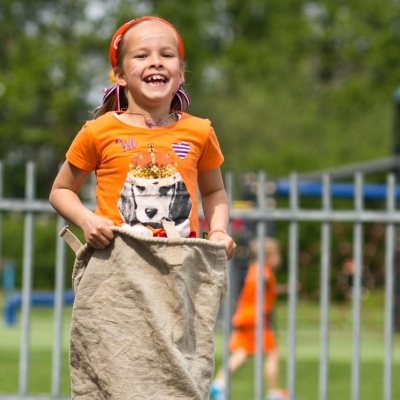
point(9, 277)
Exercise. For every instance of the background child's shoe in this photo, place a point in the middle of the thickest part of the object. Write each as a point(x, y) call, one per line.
point(216, 392)
point(278, 394)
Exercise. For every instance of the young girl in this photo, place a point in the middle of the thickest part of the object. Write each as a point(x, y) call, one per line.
point(132, 333)
point(243, 340)
point(142, 135)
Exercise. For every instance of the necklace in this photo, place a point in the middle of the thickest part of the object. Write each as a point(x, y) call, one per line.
point(151, 123)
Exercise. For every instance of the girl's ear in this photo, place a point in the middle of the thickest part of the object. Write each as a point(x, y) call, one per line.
point(182, 77)
point(119, 77)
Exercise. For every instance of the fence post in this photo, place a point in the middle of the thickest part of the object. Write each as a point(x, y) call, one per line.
point(27, 282)
point(396, 143)
point(1, 214)
point(58, 312)
point(326, 236)
point(261, 233)
point(389, 289)
point(227, 306)
point(358, 233)
point(293, 277)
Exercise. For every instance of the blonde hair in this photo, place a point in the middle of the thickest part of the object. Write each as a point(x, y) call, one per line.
point(270, 246)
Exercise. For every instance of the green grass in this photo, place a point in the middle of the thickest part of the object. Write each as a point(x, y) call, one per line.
point(42, 336)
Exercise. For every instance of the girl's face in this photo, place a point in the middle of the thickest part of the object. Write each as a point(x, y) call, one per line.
point(151, 68)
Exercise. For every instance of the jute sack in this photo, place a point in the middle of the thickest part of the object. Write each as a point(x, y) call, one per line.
point(144, 316)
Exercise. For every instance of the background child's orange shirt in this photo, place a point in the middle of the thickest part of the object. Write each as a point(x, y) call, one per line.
point(133, 160)
point(246, 310)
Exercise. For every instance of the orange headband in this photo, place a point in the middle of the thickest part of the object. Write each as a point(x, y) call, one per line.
point(118, 35)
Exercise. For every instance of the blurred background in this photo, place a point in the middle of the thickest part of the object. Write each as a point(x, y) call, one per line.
point(288, 84)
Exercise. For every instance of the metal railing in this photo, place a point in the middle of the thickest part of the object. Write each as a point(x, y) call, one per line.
point(325, 216)
point(29, 206)
point(261, 215)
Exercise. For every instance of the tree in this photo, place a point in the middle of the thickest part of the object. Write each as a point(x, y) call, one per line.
point(298, 75)
point(291, 75)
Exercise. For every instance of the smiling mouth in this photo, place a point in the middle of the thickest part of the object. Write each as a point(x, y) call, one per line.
point(156, 79)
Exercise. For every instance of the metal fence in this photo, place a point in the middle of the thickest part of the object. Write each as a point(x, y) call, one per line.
point(30, 206)
point(261, 215)
point(326, 216)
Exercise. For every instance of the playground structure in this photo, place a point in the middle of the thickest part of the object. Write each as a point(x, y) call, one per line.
point(38, 299)
point(13, 301)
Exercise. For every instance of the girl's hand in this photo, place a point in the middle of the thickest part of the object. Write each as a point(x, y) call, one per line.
point(222, 236)
point(97, 231)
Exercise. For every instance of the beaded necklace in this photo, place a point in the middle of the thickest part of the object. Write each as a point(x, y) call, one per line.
point(150, 123)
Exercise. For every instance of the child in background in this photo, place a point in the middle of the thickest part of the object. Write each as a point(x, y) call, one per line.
point(243, 339)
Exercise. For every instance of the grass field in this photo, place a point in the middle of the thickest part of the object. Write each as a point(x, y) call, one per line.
point(243, 382)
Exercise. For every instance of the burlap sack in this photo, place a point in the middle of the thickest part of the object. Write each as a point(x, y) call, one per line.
point(144, 317)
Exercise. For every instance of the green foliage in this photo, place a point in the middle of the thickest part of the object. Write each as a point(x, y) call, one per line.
point(42, 97)
point(309, 76)
point(291, 75)
point(44, 248)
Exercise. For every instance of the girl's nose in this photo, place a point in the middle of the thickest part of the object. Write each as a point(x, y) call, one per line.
point(156, 60)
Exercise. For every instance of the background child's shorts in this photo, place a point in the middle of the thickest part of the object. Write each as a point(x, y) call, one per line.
point(245, 338)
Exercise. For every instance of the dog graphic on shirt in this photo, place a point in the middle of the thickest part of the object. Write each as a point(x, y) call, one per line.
point(153, 192)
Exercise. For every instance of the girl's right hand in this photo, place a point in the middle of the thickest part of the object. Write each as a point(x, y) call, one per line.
point(230, 245)
point(97, 231)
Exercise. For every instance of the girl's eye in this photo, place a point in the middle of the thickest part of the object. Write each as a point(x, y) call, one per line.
point(168, 55)
point(140, 56)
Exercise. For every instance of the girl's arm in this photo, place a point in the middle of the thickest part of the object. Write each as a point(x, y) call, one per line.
point(215, 207)
point(65, 200)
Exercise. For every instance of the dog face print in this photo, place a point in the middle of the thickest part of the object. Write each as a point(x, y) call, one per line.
point(153, 200)
point(145, 202)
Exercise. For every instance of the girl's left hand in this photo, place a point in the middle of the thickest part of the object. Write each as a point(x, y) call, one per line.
point(230, 245)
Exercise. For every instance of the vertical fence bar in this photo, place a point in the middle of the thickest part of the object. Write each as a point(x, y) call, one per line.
point(325, 291)
point(389, 291)
point(261, 233)
point(293, 272)
point(227, 306)
point(58, 312)
point(357, 289)
point(27, 282)
point(1, 214)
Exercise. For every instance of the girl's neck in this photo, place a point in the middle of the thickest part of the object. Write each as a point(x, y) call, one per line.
point(154, 119)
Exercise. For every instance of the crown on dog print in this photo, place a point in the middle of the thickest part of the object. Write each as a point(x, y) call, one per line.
point(152, 165)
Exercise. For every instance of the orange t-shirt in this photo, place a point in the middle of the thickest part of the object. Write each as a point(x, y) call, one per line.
point(145, 175)
point(246, 310)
